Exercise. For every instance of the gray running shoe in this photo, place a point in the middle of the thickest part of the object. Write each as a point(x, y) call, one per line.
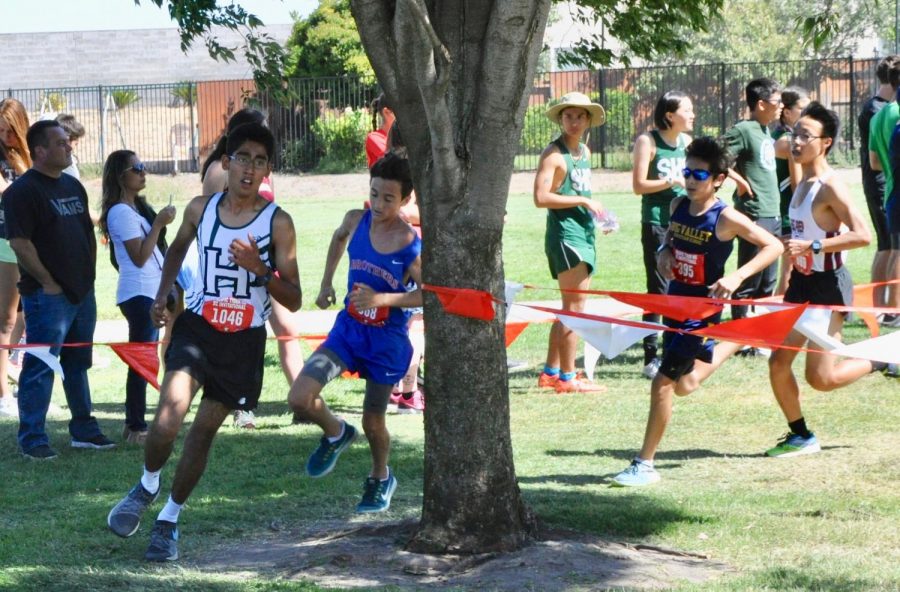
point(125, 518)
point(163, 542)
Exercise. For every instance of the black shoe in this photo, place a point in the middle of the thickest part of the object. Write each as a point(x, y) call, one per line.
point(42, 452)
point(163, 542)
point(748, 352)
point(98, 442)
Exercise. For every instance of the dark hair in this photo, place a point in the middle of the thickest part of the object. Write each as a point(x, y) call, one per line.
point(73, 128)
point(393, 167)
point(883, 69)
point(117, 164)
point(395, 142)
point(244, 116)
point(668, 103)
point(38, 134)
point(894, 75)
point(790, 97)
point(760, 89)
point(712, 151)
point(377, 106)
point(831, 123)
point(250, 132)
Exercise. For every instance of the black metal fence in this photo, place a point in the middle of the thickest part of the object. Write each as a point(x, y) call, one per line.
point(172, 126)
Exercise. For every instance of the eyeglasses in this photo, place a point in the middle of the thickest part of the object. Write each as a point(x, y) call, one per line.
point(245, 161)
point(804, 138)
point(775, 102)
point(698, 174)
point(138, 168)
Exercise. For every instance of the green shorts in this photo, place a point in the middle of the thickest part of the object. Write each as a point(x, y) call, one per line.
point(6, 253)
point(564, 254)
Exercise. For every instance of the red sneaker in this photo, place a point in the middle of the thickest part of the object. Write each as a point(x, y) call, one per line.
point(547, 381)
point(415, 404)
point(579, 384)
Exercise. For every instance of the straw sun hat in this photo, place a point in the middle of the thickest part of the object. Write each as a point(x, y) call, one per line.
point(577, 99)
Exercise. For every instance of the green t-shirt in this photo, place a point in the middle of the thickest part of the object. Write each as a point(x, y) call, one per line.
point(881, 129)
point(783, 173)
point(754, 151)
point(666, 164)
point(572, 224)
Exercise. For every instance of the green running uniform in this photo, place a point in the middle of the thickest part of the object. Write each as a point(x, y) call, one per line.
point(666, 164)
point(570, 231)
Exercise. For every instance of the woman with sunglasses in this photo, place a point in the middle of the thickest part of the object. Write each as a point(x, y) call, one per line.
point(793, 100)
point(656, 177)
point(137, 235)
point(283, 322)
point(14, 160)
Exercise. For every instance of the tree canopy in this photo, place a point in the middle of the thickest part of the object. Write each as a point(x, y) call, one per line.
point(326, 43)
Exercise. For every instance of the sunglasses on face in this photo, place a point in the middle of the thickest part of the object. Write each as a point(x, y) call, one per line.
point(698, 174)
point(138, 168)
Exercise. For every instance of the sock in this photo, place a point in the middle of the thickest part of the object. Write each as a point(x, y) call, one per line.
point(408, 395)
point(385, 480)
point(565, 376)
point(799, 427)
point(649, 463)
point(150, 480)
point(879, 366)
point(339, 436)
point(170, 511)
point(551, 371)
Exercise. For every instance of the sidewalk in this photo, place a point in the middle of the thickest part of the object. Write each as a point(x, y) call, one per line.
point(319, 322)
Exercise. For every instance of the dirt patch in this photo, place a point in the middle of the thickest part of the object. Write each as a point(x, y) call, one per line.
point(348, 556)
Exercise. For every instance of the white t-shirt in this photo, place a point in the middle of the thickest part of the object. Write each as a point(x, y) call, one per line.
point(124, 223)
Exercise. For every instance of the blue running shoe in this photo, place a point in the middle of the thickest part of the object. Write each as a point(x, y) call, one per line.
point(638, 474)
point(125, 517)
point(794, 445)
point(163, 542)
point(377, 494)
point(323, 458)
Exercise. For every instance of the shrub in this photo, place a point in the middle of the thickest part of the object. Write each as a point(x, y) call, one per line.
point(537, 131)
point(183, 94)
point(122, 98)
point(341, 140)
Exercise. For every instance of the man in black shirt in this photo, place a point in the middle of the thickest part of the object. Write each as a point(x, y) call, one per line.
point(49, 227)
point(873, 181)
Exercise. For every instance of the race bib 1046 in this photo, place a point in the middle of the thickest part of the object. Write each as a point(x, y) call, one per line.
point(688, 268)
point(228, 315)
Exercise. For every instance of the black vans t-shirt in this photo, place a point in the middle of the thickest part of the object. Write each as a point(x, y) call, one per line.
point(53, 214)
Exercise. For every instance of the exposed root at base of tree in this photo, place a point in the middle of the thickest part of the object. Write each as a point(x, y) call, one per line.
point(346, 555)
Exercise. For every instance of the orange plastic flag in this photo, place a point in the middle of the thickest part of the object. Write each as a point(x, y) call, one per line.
point(513, 330)
point(680, 308)
point(465, 302)
point(864, 295)
point(140, 357)
point(768, 330)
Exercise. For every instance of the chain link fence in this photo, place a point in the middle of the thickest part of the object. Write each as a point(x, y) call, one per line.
point(173, 126)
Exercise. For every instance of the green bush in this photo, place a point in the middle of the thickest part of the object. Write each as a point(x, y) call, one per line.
point(620, 130)
point(341, 140)
point(537, 131)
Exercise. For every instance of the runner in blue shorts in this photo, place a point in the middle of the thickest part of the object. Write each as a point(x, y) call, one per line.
point(370, 334)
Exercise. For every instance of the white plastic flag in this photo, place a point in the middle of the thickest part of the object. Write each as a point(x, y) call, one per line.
point(510, 291)
point(608, 338)
point(43, 354)
point(885, 348)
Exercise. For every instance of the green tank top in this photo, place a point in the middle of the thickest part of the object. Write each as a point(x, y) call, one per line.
point(782, 171)
point(576, 182)
point(666, 164)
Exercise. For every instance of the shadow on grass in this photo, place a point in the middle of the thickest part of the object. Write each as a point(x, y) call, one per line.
point(56, 580)
point(782, 578)
point(627, 454)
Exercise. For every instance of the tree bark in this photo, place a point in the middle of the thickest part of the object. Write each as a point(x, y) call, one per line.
point(458, 73)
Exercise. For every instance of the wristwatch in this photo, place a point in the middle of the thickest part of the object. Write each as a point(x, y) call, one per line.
point(816, 246)
point(262, 280)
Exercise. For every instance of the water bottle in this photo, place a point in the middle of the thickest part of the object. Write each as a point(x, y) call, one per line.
point(606, 222)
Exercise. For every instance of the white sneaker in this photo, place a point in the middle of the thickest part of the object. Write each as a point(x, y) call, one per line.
point(244, 420)
point(9, 407)
point(651, 369)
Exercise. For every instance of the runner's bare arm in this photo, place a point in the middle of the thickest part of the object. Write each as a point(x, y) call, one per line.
point(838, 209)
point(550, 174)
point(364, 298)
point(731, 224)
point(284, 287)
point(336, 249)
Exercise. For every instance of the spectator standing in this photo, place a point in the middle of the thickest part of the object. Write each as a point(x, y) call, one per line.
point(377, 139)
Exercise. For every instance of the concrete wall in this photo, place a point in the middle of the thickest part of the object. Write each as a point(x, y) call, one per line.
point(88, 58)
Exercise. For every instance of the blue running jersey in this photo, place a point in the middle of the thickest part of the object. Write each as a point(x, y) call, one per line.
point(700, 256)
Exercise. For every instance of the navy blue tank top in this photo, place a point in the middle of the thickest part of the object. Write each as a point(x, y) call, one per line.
point(383, 272)
point(699, 255)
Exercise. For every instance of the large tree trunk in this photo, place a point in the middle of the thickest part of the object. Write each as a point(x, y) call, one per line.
point(459, 73)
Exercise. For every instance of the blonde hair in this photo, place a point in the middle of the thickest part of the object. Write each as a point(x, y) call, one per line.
point(16, 117)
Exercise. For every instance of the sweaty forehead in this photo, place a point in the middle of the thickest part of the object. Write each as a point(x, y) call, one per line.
point(809, 124)
point(692, 162)
point(386, 186)
point(252, 149)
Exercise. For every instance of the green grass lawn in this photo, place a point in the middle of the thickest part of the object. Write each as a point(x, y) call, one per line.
point(825, 522)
